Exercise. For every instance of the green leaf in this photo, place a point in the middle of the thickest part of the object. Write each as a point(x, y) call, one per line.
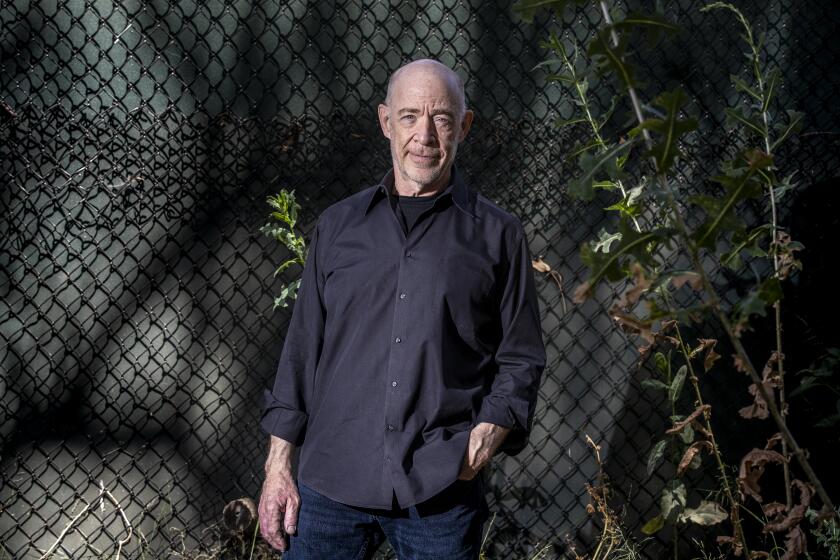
point(663, 365)
point(563, 123)
point(740, 183)
point(707, 513)
point(748, 243)
point(655, 456)
point(677, 384)
point(756, 302)
point(596, 165)
point(654, 384)
point(741, 85)
point(286, 265)
point(772, 80)
point(687, 436)
point(527, 9)
point(605, 240)
point(639, 19)
point(785, 185)
point(669, 129)
point(633, 246)
point(672, 501)
point(794, 125)
point(609, 57)
point(654, 24)
point(654, 525)
point(288, 292)
point(736, 116)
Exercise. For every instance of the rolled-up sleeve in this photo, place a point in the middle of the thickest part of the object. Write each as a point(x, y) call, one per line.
point(284, 407)
point(520, 356)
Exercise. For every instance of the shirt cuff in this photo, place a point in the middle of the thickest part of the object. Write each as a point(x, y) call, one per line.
point(284, 423)
point(495, 411)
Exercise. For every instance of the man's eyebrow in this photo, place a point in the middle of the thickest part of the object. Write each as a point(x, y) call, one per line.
point(413, 111)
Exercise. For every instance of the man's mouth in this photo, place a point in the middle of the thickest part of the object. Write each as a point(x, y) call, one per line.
point(423, 158)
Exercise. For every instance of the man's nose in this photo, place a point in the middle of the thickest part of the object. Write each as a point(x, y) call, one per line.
point(426, 133)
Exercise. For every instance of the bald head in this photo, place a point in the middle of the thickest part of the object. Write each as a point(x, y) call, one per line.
point(423, 69)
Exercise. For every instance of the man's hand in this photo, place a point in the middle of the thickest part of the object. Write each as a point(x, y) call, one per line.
point(485, 439)
point(279, 500)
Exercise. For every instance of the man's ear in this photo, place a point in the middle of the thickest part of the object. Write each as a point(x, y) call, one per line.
point(466, 122)
point(384, 117)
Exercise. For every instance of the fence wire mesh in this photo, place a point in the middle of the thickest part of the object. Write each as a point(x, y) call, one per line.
point(138, 143)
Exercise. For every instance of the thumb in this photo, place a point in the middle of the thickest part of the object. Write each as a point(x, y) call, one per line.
point(291, 516)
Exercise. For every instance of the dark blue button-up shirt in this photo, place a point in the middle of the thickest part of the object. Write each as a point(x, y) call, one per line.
point(400, 343)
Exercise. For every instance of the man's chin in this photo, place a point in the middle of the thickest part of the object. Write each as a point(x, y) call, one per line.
point(424, 175)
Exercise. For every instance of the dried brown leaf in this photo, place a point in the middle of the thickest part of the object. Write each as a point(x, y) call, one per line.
point(640, 285)
point(786, 258)
point(680, 426)
point(540, 265)
point(582, 293)
point(691, 278)
point(794, 544)
point(735, 543)
point(774, 440)
point(740, 364)
point(758, 409)
point(707, 344)
point(752, 467)
point(797, 513)
point(690, 453)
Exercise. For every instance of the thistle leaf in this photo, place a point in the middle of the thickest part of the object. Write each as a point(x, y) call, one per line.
point(594, 166)
point(740, 183)
point(670, 128)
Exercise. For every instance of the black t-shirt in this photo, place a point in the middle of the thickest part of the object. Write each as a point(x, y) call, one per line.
point(410, 208)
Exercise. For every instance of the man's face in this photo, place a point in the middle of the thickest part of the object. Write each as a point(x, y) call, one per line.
point(424, 123)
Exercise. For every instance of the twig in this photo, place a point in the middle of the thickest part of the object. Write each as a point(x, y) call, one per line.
point(103, 492)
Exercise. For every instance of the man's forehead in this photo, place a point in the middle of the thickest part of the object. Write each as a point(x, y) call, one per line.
point(426, 84)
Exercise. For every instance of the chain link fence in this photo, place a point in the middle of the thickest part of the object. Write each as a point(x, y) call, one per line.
point(138, 143)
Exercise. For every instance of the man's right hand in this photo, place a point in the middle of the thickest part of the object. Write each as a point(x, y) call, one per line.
point(279, 500)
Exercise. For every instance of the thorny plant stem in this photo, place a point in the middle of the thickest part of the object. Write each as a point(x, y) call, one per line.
point(774, 246)
point(606, 532)
point(707, 418)
point(714, 303)
point(584, 100)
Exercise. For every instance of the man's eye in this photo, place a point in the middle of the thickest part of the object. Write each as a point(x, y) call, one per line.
point(444, 122)
point(407, 118)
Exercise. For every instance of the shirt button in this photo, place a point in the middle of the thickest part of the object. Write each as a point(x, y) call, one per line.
point(390, 427)
point(393, 383)
point(398, 340)
point(402, 295)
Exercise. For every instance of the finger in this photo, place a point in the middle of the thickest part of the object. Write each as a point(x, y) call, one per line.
point(291, 517)
point(270, 524)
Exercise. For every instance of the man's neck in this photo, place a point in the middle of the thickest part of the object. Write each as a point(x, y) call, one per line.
point(406, 187)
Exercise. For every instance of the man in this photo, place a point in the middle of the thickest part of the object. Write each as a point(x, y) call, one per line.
point(414, 351)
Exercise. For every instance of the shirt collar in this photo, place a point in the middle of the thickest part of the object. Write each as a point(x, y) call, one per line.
point(463, 197)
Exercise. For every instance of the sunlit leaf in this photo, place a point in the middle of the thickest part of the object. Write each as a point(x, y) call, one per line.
point(677, 384)
point(707, 513)
point(655, 456)
point(672, 501)
point(654, 525)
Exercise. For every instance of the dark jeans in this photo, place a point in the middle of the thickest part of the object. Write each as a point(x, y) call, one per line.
point(446, 527)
